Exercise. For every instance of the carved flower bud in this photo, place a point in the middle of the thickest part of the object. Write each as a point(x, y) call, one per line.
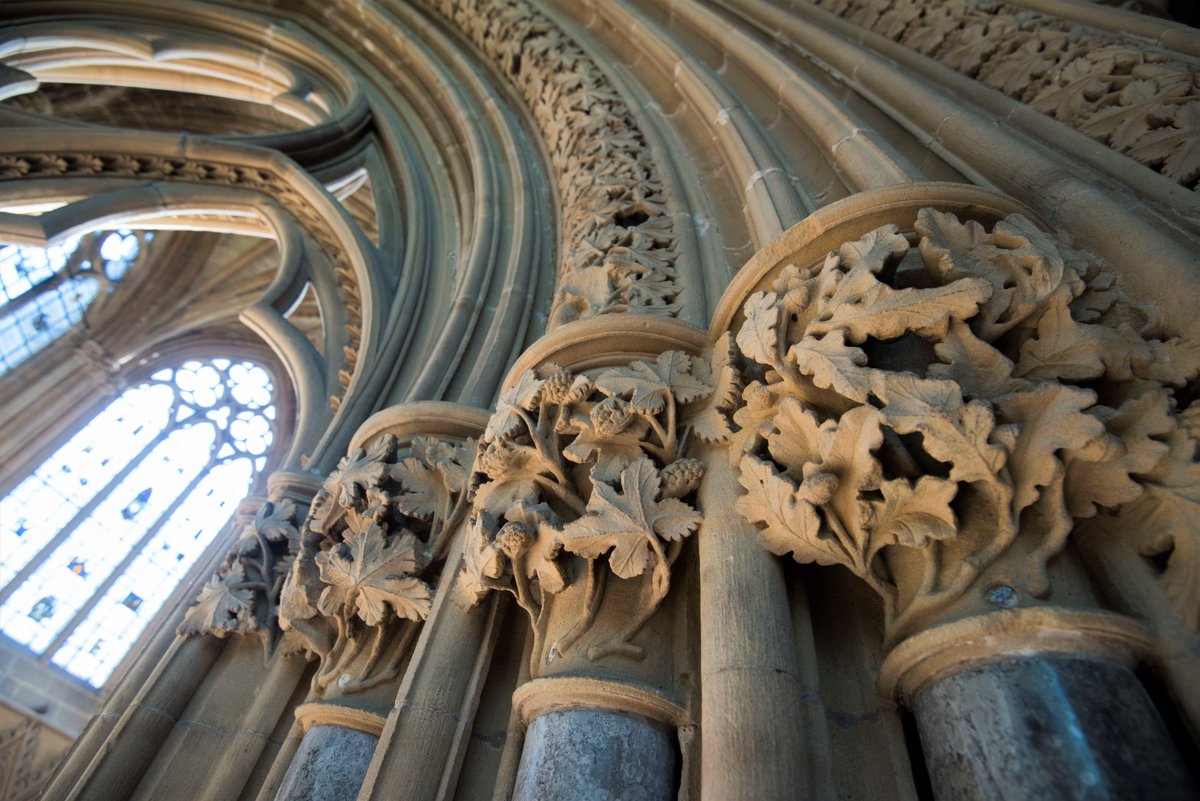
point(514, 539)
point(681, 477)
point(758, 394)
point(495, 459)
point(564, 387)
point(818, 488)
point(611, 416)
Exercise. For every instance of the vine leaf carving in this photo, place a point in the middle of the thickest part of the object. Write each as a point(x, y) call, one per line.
point(370, 575)
point(650, 384)
point(707, 417)
point(629, 524)
point(222, 608)
point(520, 398)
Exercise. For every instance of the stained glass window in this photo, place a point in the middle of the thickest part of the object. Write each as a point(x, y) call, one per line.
point(96, 539)
point(45, 291)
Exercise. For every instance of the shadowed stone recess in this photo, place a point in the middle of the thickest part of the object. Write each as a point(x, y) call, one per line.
point(1047, 728)
point(588, 755)
point(329, 766)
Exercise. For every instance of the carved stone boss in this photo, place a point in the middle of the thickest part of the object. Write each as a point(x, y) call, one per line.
point(935, 410)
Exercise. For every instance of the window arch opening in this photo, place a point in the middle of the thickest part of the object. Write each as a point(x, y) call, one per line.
point(95, 541)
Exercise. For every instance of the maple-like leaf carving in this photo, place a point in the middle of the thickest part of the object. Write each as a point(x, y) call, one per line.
point(1176, 148)
point(370, 574)
point(628, 524)
point(521, 397)
point(648, 384)
point(221, 608)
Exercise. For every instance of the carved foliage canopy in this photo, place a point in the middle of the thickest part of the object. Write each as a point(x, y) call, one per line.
point(591, 468)
point(934, 415)
point(377, 529)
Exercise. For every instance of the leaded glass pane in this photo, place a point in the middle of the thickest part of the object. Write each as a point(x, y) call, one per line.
point(170, 460)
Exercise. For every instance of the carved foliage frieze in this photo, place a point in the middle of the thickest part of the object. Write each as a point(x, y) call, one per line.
point(580, 476)
point(377, 531)
point(619, 240)
point(1139, 101)
point(934, 414)
point(23, 770)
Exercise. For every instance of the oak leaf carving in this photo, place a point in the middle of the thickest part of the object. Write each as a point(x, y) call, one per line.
point(789, 519)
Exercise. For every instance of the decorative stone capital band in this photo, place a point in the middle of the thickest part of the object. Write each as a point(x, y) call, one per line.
point(972, 642)
point(540, 696)
point(348, 717)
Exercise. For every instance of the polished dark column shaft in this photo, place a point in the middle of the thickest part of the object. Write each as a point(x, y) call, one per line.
point(1058, 728)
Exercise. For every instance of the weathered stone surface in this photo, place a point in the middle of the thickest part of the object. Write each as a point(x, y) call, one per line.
point(329, 765)
point(596, 756)
point(1047, 728)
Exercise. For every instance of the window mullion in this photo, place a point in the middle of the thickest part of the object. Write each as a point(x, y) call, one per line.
point(85, 512)
point(33, 293)
point(116, 572)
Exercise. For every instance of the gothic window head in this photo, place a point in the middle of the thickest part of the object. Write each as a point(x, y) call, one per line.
point(94, 542)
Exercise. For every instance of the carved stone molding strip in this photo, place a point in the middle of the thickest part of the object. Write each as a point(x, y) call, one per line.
point(619, 240)
point(995, 637)
point(1141, 102)
point(14, 167)
point(934, 408)
point(348, 717)
point(540, 696)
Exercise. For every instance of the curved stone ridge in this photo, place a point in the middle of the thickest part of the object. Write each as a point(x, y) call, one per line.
point(1141, 102)
point(619, 241)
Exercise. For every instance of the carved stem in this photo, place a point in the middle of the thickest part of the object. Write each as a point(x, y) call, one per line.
point(593, 595)
point(560, 492)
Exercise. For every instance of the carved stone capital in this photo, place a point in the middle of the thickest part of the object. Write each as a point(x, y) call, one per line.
point(376, 536)
point(581, 483)
point(934, 401)
point(242, 597)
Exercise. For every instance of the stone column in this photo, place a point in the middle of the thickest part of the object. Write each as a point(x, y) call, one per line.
point(329, 765)
point(912, 413)
point(589, 753)
point(1056, 727)
point(751, 708)
point(1036, 703)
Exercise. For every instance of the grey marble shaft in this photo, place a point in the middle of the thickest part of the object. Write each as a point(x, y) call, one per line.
point(587, 755)
point(329, 765)
point(1052, 728)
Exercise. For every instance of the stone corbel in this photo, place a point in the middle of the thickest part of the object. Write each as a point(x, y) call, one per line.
point(579, 504)
point(373, 544)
